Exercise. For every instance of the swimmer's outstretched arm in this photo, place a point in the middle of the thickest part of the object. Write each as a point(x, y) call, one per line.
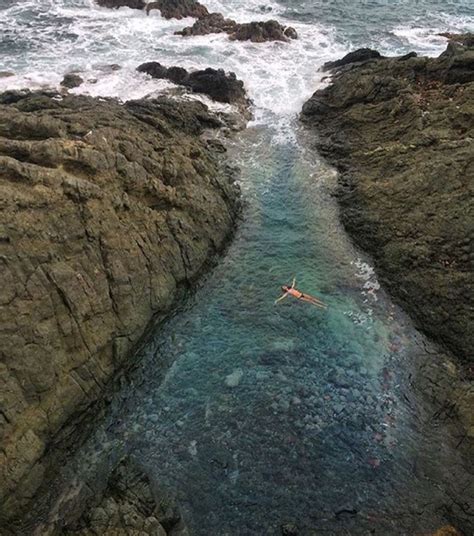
point(294, 282)
point(281, 297)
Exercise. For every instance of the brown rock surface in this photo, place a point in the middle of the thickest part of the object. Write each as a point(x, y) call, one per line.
point(106, 210)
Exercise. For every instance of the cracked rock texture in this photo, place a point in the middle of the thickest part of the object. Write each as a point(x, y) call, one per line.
point(106, 210)
point(401, 133)
point(127, 505)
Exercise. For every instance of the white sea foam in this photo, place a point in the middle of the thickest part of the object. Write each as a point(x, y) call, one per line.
point(426, 39)
point(278, 76)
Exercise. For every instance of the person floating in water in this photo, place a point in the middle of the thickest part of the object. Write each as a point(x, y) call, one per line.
point(292, 291)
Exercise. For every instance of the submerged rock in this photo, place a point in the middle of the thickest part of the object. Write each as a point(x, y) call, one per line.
point(217, 84)
point(71, 81)
point(401, 134)
point(178, 9)
point(107, 210)
point(257, 32)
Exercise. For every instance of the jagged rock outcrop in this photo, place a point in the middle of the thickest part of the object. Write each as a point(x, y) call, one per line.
point(106, 211)
point(357, 56)
point(127, 505)
point(257, 32)
point(178, 9)
point(115, 4)
point(401, 134)
point(466, 39)
point(216, 83)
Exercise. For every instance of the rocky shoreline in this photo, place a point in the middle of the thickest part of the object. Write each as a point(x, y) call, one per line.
point(400, 132)
point(108, 210)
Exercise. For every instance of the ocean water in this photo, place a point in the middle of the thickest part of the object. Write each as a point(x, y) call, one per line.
point(268, 414)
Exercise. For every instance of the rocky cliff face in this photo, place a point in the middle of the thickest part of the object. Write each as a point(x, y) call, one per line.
point(106, 210)
point(401, 133)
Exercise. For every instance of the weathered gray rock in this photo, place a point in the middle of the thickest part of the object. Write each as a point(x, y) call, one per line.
point(401, 133)
point(106, 210)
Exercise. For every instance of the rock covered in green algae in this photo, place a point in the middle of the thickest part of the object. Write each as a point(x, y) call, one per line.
point(401, 131)
point(106, 209)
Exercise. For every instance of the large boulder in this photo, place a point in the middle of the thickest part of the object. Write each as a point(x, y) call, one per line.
point(215, 83)
point(401, 133)
point(178, 9)
point(107, 210)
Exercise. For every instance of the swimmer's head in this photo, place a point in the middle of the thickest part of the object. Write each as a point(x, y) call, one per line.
point(285, 288)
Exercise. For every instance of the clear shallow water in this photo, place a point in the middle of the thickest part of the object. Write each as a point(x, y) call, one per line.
point(269, 414)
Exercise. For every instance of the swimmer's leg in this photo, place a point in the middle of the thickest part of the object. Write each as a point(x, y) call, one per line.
point(313, 301)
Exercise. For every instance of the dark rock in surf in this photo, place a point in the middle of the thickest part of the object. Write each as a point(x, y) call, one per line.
point(362, 55)
point(71, 81)
point(257, 32)
point(401, 134)
point(178, 9)
point(260, 32)
point(220, 86)
point(115, 4)
point(210, 24)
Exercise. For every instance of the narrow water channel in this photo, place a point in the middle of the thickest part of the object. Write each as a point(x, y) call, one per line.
point(286, 413)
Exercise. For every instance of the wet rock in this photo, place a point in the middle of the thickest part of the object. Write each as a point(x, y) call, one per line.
point(127, 505)
point(233, 379)
point(447, 530)
point(289, 529)
point(361, 55)
point(257, 32)
point(115, 4)
point(71, 81)
point(107, 209)
point(6, 74)
point(211, 23)
point(466, 39)
point(178, 9)
point(220, 86)
point(401, 134)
